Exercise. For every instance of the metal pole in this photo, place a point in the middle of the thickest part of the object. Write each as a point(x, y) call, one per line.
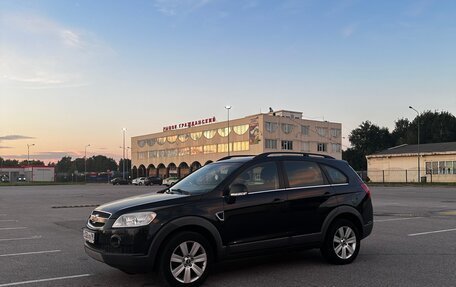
point(228, 109)
point(85, 163)
point(123, 156)
point(419, 177)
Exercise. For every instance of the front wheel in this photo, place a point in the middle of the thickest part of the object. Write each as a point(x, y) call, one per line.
point(186, 260)
point(342, 242)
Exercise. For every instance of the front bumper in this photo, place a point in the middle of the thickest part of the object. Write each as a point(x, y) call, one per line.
point(117, 260)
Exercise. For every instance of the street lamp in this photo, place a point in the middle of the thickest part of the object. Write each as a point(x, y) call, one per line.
point(228, 110)
point(123, 161)
point(28, 153)
point(418, 117)
point(85, 162)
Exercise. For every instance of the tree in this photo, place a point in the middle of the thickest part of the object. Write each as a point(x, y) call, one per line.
point(401, 132)
point(435, 127)
point(366, 139)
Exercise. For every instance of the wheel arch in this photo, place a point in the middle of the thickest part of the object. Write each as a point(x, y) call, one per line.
point(189, 223)
point(343, 212)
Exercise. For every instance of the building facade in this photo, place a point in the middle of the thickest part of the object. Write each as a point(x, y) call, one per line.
point(31, 173)
point(180, 149)
point(400, 164)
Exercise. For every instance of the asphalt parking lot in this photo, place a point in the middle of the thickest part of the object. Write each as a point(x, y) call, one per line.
point(413, 243)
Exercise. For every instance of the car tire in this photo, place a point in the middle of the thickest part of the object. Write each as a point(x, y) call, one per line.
point(185, 260)
point(342, 242)
point(140, 183)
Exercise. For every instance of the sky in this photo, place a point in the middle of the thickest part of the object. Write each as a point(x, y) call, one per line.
point(74, 73)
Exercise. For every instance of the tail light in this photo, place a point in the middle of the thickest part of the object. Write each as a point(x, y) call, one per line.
point(366, 189)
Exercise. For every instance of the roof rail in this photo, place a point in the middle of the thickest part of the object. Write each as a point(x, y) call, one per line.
point(232, 156)
point(277, 153)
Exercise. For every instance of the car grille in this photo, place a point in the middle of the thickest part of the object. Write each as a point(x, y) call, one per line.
point(98, 218)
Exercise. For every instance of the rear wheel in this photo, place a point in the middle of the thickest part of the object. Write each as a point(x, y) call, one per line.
point(186, 260)
point(342, 242)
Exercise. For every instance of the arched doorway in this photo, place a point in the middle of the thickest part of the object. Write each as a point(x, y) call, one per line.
point(183, 170)
point(151, 170)
point(172, 170)
point(162, 170)
point(134, 172)
point(194, 166)
point(141, 171)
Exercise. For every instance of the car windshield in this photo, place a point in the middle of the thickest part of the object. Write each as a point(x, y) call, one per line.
point(204, 179)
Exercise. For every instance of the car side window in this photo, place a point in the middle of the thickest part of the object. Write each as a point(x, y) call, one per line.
point(303, 173)
point(259, 177)
point(335, 175)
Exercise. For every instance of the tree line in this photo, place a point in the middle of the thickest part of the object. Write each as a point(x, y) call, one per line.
point(368, 138)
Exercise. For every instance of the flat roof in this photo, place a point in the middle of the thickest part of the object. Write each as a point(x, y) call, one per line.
point(447, 147)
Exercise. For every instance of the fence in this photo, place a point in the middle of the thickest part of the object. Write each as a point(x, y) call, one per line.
point(406, 176)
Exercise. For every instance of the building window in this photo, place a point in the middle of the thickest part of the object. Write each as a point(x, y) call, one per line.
point(184, 151)
point(171, 139)
point(305, 146)
point(287, 128)
point(305, 130)
point(435, 167)
point(271, 144)
point(224, 147)
point(428, 167)
point(142, 155)
point(335, 147)
point(240, 130)
point(271, 127)
point(322, 131)
point(196, 150)
point(241, 146)
point(196, 135)
point(287, 145)
point(152, 154)
point(210, 134)
point(441, 167)
point(335, 133)
point(183, 138)
point(223, 132)
point(210, 148)
point(322, 147)
point(161, 141)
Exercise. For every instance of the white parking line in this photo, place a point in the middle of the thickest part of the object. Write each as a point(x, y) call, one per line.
point(44, 280)
point(12, 228)
point(432, 232)
point(396, 219)
point(30, 253)
point(23, 238)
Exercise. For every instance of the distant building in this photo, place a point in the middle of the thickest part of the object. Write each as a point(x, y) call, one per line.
point(31, 173)
point(184, 147)
point(400, 164)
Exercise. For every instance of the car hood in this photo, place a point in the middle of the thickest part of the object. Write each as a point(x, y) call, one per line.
point(138, 202)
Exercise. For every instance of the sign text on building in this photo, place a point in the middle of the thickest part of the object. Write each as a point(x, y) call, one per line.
point(189, 124)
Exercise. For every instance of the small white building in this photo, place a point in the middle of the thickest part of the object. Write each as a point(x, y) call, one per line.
point(31, 173)
point(400, 164)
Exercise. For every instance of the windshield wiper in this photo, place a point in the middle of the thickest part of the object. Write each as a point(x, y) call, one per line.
point(180, 191)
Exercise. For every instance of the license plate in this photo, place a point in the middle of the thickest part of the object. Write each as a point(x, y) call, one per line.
point(88, 235)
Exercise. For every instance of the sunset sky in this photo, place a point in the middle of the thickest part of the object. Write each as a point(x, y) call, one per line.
point(74, 73)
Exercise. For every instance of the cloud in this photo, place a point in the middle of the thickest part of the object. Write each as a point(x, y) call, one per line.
point(61, 56)
point(14, 138)
point(175, 7)
point(5, 147)
point(349, 30)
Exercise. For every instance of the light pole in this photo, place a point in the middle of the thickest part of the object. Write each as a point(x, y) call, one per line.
point(123, 156)
point(85, 163)
point(28, 153)
point(128, 167)
point(228, 110)
point(418, 117)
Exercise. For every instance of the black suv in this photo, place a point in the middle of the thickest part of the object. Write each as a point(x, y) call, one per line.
point(236, 206)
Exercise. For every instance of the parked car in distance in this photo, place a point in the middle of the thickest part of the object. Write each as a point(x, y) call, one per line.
point(151, 180)
point(238, 205)
point(119, 180)
point(21, 178)
point(138, 181)
point(4, 179)
point(170, 180)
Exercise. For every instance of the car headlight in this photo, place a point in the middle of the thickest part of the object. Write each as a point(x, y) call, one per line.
point(134, 219)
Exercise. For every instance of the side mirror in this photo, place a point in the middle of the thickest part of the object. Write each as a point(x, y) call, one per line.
point(238, 189)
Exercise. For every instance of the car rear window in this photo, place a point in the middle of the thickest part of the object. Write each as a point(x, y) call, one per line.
point(335, 175)
point(303, 173)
